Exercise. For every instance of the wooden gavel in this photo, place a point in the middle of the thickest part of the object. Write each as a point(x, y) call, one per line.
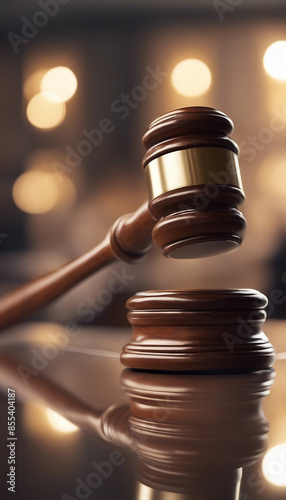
point(195, 416)
point(194, 185)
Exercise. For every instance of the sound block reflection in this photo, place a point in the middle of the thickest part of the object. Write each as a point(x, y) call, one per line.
point(193, 433)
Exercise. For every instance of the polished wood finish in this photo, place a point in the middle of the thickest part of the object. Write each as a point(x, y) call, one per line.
point(188, 127)
point(194, 432)
point(198, 330)
point(201, 220)
point(197, 226)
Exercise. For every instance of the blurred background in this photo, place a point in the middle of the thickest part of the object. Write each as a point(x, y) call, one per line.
point(80, 82)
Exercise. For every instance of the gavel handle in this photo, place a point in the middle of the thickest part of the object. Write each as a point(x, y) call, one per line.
point(129, 239)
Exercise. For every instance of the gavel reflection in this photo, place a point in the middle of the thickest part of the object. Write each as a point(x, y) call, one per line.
point(195, 416)
point(194, 187)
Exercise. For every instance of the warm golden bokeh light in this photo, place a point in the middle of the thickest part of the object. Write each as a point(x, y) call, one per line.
point(41, 160)
point(43, 113)
point(275, 60)
point(60, 83)
point(274, 465)
point(191, 77)
point(60, 423)
point(272, 177)
point(35, 192)
point(36, 421)
point(32, 85)
point(66, 191)
point(279, 178)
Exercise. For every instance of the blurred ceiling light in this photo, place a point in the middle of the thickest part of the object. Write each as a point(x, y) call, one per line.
point(60, 83)
point(35, 192)
point(275, 60)
point(191, 77)
point(43, 112)
point(32, 84)
point(60, 423)
point(274, 465)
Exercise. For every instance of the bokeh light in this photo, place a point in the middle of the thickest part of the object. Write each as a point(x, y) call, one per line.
point(32, 85)
point(60, 423)
point(43, 112)
point(272, 176)
point(42, 160)
point(39, 191)
point(60, 83)
point(274, 465)
point(275, 60)
point(191, 77)
point(35, 192)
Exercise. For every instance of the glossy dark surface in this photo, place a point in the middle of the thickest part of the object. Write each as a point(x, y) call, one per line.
point(191, 406)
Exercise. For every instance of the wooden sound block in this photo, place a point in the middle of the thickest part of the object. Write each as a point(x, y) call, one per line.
point(198, 330)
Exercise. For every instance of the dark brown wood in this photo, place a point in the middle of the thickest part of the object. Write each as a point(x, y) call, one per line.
point(202, 220)
point(193, 231)
point(187, 127)
point(198, 221)
point(198, 330)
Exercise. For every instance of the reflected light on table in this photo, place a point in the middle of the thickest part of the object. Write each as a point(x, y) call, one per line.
point(274, 60)
point(47, 425)
point(60, 423)
point(191, 77)
point(274, 465)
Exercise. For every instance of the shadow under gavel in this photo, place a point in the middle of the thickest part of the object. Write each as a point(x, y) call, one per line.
point(194, 186)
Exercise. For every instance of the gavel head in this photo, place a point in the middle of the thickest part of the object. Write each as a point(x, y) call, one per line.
point(194, 183)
